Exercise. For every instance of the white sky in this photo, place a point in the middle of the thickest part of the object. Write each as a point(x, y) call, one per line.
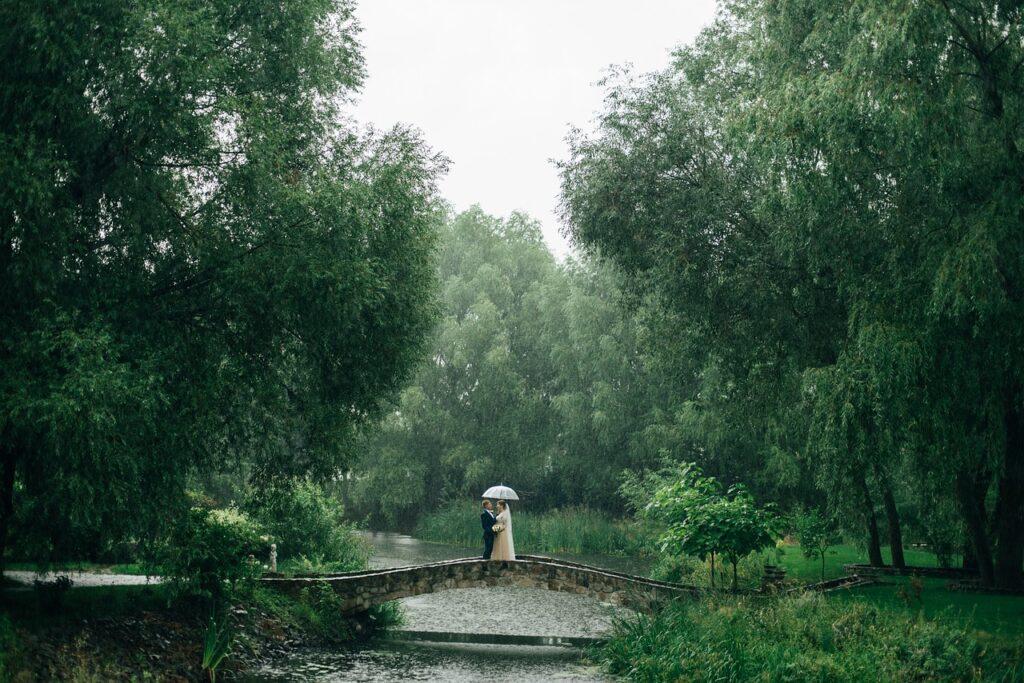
point(496, 86)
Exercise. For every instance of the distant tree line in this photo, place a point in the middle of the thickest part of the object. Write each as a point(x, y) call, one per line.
point(536, 378)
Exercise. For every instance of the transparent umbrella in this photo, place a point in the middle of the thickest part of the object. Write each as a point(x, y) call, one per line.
point(501, 491)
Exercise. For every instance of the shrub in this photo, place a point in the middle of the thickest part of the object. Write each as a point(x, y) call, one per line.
point(209, 551)
point(690, 570)
point(307, 521)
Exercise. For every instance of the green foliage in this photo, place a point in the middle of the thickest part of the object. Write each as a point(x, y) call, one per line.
point(325, 612)
point(209, 551)
point(536, 379)
point(835, 275)
point(689, 570)
point(216, 645)
point(702, 521)
point(197, 272)
point(816, 534)
point(567, 530)
point(305, 520)
point(804, 638)
point(317, 563)
point(317, 612)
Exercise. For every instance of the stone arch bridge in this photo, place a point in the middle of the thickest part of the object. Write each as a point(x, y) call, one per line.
point(360, 590)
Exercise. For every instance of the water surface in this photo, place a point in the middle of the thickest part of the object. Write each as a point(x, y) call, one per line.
point(503, 617)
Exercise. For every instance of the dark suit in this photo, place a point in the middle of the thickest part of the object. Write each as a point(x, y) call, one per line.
point(487, 521)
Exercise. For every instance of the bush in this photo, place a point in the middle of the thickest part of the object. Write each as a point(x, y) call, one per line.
point(326, 612)
point(803, 638)
point(307, 521)
point(690, 570)
point(209, 551)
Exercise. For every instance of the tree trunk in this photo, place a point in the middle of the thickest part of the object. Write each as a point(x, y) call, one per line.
point(822, 565)
point(871, 522)
point(712, 570)
point(1010, 522)
point(734, 586)
point(893, 519)
point(970, 561)
point(972, 506)
point(9, 463)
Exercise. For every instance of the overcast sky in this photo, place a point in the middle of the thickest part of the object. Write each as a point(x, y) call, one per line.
point(496, 86)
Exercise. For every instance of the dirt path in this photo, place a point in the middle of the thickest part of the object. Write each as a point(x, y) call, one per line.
point(83, 579)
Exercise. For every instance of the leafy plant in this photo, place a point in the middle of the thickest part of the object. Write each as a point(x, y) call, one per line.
point(317, 564)
point(305, 520)
point(208, 551)
point(216, 645)
point(816, 534)
point(703, 522)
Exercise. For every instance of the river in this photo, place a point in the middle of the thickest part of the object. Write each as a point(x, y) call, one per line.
point(508, 629)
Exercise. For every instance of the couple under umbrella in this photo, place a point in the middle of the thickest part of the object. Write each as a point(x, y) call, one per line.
point(498, 543)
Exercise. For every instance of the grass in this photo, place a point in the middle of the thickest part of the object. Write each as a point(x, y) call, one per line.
point(574, 530)
point(317, 611)
point(804, 638)
point(988, 614)
point(791, 558)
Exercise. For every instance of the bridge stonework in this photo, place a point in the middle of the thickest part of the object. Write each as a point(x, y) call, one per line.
point(359, 591)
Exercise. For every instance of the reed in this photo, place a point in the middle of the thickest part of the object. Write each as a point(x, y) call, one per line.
point(576, 530)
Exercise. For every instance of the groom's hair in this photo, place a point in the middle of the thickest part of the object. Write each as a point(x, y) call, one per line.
point(486, 503)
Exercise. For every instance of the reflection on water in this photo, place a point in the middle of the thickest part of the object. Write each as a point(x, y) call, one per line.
point(509, 616)
point(456, 662)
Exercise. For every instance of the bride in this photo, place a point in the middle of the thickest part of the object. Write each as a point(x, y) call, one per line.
point(504, 548)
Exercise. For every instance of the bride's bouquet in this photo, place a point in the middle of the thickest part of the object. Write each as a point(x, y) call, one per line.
point(497, 528)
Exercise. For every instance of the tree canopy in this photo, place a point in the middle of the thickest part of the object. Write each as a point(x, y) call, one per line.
point(825, 197)
point(536, 378)
point(201, 262)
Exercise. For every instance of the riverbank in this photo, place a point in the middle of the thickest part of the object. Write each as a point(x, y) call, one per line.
point(135, 633)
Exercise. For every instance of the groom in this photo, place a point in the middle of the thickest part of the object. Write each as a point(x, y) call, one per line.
point(487, 521)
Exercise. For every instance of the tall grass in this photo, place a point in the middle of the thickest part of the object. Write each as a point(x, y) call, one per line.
point(803, 638)
point(576, 530)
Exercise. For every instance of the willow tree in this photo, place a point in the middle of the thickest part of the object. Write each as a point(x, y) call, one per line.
point(200, 263)
point(912, 112)
point(835, 189)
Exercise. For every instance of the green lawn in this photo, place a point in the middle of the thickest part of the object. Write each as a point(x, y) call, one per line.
point(791, 558)
point(993, 614)
point(997, 614)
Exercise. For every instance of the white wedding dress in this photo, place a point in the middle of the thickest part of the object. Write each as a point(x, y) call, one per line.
point(504, 546)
